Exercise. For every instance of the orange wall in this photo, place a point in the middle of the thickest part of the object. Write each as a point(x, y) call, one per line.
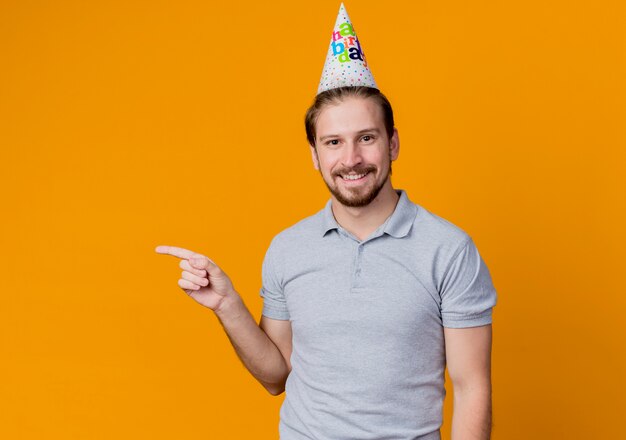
point(124, 125)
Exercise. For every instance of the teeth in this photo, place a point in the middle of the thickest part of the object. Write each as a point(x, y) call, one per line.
point(353, 176)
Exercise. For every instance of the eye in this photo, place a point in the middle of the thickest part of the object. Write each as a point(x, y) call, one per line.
point(367, 138)
point(333, 142)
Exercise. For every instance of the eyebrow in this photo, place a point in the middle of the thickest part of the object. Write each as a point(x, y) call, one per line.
point(367, 130)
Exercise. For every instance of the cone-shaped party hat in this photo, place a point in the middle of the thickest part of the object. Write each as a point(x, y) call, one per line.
point(345, 63)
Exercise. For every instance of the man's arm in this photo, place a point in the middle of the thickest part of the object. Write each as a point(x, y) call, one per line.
point(263, 351)
point(279, 331)
point(468, 357)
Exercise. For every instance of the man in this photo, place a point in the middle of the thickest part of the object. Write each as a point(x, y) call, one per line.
point(366, 301)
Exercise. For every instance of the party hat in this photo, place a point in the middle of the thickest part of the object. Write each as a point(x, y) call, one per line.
point(345, 63)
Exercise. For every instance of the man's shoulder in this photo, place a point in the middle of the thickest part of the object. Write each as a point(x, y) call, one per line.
point(436, 240)
point(437, 229)
point(300, 233)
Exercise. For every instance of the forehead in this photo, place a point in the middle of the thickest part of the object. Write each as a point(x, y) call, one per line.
point(349, 116)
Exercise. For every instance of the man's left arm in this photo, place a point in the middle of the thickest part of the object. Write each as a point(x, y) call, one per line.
point(468, 358)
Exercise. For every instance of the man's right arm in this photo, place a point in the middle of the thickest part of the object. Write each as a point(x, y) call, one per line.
point(264, 349)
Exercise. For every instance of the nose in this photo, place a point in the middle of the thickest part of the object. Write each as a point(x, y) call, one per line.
point(352, 155)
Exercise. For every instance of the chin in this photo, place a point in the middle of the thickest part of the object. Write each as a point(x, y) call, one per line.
point(360, 200)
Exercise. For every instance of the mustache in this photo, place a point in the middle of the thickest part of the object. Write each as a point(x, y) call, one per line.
point(356, 170)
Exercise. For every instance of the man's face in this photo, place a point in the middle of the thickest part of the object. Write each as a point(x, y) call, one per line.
point(353, 152)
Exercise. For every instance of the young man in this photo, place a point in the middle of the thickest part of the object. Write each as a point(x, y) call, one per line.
point(366, 301)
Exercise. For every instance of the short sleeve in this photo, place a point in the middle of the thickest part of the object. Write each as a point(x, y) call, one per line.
point(274, 303)
point(467, 292)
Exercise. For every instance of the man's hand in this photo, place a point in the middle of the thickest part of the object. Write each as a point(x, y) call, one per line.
point(205, 282)
point(201, 278)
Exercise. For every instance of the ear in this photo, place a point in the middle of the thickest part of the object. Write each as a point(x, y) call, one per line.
point(316, 160)
point(394, 145)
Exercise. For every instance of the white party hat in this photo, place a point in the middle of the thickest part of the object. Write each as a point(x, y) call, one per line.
point(345, 63)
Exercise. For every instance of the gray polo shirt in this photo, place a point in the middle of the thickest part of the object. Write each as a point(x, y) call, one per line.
point(367, 318)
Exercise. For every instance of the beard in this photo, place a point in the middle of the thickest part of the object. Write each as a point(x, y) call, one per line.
point(356, 197)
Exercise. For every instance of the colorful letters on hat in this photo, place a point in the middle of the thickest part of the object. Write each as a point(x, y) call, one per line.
point(345, 63)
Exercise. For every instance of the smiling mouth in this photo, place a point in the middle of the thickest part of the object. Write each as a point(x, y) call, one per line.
point(353, 177)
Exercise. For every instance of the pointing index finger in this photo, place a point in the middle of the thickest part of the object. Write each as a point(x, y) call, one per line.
point(175, 251)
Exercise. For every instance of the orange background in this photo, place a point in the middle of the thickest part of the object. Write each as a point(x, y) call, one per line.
point(124, 125)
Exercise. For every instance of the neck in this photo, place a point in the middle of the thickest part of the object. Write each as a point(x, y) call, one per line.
point(362, 221)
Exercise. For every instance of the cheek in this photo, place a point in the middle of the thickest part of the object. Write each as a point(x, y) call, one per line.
point(377, 158)
point(327, 164)
point(326, 168)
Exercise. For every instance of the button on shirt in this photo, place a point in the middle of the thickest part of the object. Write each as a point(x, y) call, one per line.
point(367, 319)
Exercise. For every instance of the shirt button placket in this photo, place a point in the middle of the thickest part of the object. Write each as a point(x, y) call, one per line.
point(357, 276)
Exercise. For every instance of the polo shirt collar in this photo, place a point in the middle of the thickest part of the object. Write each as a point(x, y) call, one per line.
point(398, 225)
point(328, 219)
point(403, 216)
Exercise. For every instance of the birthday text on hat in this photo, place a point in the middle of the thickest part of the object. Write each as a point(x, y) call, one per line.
point(346, 45)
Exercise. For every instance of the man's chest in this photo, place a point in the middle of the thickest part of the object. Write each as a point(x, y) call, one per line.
point(384, 295)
